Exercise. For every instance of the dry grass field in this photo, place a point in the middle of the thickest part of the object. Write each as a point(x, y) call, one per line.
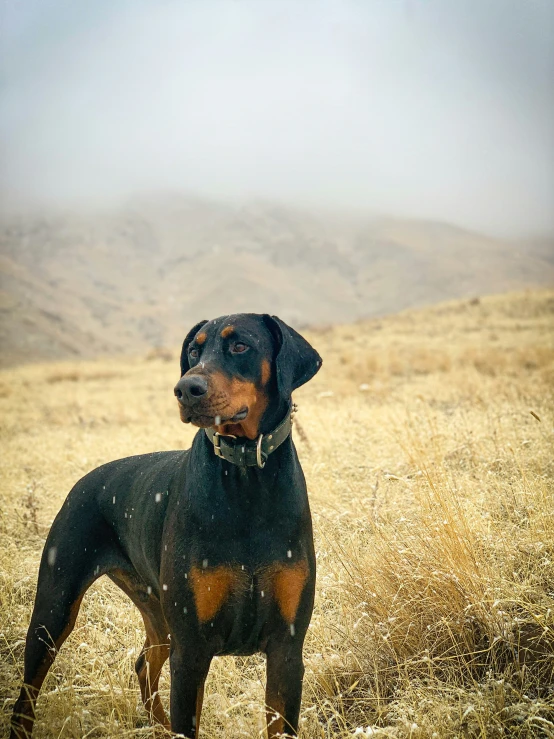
point(427, 443)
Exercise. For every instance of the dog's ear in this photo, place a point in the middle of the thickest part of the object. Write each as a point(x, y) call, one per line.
point(185, 366)
point(296, 361)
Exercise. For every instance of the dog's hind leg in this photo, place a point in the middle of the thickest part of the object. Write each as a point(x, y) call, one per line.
point(148, 668)
point(48, 630)
point(78, 550)
point(156, 647)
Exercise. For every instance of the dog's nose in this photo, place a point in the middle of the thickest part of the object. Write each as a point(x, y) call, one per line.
point(192, 388)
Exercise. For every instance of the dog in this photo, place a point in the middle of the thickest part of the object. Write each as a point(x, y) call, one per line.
point(213, 545)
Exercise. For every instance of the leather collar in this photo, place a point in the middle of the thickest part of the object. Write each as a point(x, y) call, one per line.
point(247, 453)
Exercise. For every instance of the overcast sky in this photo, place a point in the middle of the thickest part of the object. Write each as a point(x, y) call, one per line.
point(432, 108)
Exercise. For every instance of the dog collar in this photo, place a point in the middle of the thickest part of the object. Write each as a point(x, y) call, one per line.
point(251, 453)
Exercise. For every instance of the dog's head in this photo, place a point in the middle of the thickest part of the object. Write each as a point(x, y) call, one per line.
point(238, 373)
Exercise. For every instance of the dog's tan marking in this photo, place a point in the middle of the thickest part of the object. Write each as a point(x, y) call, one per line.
point(266, 371)
point(239, 394)
point(201, 337)
point(211, 589)
point(227, 331)
point(288, 586)
point(275, 709)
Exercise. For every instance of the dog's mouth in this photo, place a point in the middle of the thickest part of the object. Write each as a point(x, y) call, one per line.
point(204, 420)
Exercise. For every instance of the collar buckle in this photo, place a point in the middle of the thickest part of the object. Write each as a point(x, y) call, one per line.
point(217, 444)
point(259, 461)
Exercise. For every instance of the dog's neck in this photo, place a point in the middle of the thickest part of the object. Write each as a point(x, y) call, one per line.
point(249, 453)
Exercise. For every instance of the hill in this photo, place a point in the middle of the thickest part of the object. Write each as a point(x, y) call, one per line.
point(117, 282)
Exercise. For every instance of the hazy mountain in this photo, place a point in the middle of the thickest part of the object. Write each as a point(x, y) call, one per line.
point(135, 277)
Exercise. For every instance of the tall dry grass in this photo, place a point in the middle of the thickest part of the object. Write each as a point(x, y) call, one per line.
point(427, 446)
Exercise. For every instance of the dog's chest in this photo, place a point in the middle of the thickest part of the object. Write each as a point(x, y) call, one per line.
point(276, 585)
point(239, 563)
point(251, 528)
point(235, 589)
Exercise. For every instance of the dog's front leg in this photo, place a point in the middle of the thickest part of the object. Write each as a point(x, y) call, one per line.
point(285, 671)
point(189, 668)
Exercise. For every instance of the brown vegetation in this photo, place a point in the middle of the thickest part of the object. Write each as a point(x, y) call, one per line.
point(430, 469)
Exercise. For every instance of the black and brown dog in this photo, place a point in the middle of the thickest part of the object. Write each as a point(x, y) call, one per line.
point(213, 545)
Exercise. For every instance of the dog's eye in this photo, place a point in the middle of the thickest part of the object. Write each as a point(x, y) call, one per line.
point(193, 353)
point(238, 348)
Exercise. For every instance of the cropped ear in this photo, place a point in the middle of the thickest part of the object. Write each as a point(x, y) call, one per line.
point(185, 366)
point(296, 361)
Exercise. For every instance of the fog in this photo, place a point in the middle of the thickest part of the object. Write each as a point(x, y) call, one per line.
point(430, 108)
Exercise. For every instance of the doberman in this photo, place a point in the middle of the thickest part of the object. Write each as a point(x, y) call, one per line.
point(213, 545)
